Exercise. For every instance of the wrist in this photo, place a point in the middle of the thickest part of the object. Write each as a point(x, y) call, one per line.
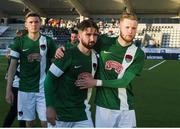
point(99, 83)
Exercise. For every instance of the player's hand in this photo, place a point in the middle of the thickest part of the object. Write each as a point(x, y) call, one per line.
point(86, 82)
point(51, 115)
point(59, 52)
point(9, 96)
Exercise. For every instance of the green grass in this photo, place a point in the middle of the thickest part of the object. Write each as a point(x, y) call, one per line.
point(4, 106)
point(157, 94)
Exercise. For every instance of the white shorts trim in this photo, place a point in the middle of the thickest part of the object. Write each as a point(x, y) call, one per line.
point(78, 124)
point(107, 118)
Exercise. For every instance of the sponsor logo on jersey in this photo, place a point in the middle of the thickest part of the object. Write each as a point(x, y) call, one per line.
point(84, 75)
point(128, 58)
point(110, 65)
point(43, 47)
point(77, 66)
point(34, 57)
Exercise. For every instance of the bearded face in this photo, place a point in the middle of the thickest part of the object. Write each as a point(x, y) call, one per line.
point(88, 37)
point(88, 45)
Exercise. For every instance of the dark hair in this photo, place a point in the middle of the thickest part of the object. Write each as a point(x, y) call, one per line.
point(86, 24)
point(32, 14)
point(74, 32)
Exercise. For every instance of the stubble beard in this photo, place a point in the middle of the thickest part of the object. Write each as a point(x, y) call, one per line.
point(90, 45)
point(125, 39)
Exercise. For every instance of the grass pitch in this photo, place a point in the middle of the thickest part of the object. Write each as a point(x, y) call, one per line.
point(157, 94)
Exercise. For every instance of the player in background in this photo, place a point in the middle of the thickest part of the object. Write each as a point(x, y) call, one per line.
point(35, 52)
point(67, 105)
point(12, 114)
point(73, 40)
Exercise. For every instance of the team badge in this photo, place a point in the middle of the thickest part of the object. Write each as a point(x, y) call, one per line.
point(128, 58)
point(20, 113)
point(43, 47)
point(94, 66)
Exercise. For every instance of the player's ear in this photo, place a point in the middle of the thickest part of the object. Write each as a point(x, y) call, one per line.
point(79, 36)
point(25, 24)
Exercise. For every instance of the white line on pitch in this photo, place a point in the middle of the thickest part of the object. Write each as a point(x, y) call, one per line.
point(156, 65)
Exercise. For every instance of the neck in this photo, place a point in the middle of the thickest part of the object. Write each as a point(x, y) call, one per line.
point(73, 43)
point(122, 42)
point(34, 36)
point(83, 49)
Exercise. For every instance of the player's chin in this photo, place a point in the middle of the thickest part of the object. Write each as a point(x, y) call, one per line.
point(130, 39)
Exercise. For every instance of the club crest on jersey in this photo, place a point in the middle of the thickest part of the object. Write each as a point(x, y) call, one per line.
point(94, 66)
point(110, 64)
point(20, 113)
point(128, 58)
point(43, 47)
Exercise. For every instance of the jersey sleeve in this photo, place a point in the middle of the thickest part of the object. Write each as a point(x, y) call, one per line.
point(134, 70)
point(99, 43)
point(56, 70)
point(119, 83)
point(103, 40)
point(15, 48)
point(49, 88)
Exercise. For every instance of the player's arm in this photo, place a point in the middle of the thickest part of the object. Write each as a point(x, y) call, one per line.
point(52, 76)
point(14, 53)
point(11, 74)
point(117, 83)
point(55, 71)
point(49, 91)
point(128, 76)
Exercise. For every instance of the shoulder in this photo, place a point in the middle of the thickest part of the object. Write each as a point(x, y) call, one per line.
point(71, 51)
point(47, 37)
point(50, 42)
point(18, 38)
point(105, 38)
point(140, 53)
point(18, 41)
point(67, 58)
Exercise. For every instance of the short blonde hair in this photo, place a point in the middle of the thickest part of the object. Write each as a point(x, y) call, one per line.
point(32, 14)
point(130, 16)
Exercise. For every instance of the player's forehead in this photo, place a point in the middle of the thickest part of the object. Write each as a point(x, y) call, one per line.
point(90, 30)
point(73, 34)
point(129, 22)
point(32, 19)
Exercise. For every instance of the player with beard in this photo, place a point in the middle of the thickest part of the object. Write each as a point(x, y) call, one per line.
point(67, 105)
point(120, 61)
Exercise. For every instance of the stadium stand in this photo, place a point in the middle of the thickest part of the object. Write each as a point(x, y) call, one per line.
point(165, 35)
point(3, 29)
